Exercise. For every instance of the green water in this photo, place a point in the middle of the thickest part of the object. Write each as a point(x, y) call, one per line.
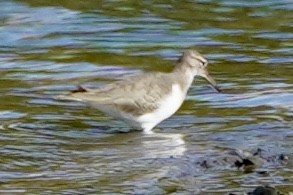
point(49, 47)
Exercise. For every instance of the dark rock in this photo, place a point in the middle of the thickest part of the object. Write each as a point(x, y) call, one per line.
point(79, 89)
point(238, 164)
point(248, 165)
point(247, 162)
point(263, 172)
point(204, 164)
point(282, 157)
point(264, 190)
point(258, 152)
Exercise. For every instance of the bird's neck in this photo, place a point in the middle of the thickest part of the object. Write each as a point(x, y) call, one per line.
point(184, 75)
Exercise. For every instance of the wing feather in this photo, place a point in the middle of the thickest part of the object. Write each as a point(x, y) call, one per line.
point(136, 95)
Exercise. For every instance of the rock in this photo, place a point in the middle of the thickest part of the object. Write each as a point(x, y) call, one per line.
point(264, 190)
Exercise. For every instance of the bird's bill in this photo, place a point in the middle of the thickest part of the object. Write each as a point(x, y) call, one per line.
point(210, 79)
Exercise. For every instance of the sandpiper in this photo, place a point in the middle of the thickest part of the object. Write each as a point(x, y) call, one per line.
point(145, 100)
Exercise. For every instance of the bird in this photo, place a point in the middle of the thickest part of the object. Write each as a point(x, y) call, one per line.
point(145, 100)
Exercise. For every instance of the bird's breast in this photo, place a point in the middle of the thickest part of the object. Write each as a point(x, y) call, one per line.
point(167, 106)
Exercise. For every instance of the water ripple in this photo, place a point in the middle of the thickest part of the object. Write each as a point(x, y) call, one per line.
point(47, 48)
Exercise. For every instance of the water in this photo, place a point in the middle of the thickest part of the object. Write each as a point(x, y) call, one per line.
point(51, 147)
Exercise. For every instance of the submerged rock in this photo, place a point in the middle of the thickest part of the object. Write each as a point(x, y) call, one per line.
point(265, 190)
point(261, 190)
point(248, 162)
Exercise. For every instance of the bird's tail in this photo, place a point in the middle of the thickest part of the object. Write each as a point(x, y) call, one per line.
point(71, 96)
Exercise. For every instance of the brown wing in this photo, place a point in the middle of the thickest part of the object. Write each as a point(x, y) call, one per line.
point(136, 95)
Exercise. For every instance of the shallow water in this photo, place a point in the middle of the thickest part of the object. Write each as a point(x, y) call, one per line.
point(49, 47)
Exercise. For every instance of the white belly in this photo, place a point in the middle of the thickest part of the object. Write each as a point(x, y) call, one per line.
point(167, 108)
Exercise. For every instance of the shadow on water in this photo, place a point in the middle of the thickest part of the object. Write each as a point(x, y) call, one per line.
point(47, 48)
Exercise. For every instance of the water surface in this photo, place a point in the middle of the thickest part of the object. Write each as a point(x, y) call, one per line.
point(49, 47)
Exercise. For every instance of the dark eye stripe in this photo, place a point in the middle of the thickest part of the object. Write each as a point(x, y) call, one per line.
point(203, 62)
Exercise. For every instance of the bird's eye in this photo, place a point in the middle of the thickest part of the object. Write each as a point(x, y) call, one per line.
point(204, 62)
